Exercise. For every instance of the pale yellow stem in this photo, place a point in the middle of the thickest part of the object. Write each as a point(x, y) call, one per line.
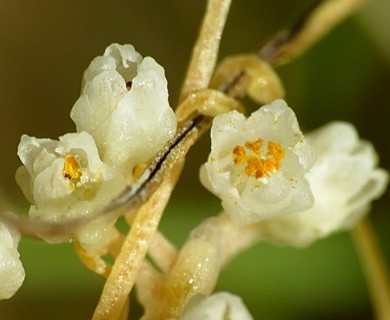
point(374, 267)
point(325, 16)
point(205, 52)
point(234, 238)
point(125, 311)
point(207, 102)
point(124, 271)
point(195, 271)
point(163, 252)
point(93, 261)
point(258, 78)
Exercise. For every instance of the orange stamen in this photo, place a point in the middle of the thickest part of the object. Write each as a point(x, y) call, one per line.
point(254, 167)
point(72, 169)
point(240, 153)
point(259, 166)
point(254, 146)
point(275, 150)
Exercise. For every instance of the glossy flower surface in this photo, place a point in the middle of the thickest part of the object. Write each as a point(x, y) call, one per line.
point(124, 106)
point(257, 165)
point(219, 306)
point(66, 179)
point(11, 269)
point(344, 181)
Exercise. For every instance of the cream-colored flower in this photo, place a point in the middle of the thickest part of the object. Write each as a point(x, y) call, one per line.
point(65, 180)
point(344, 180)
point(257, 165)
point(124, 106)
point(219, 306)
point(11, 268)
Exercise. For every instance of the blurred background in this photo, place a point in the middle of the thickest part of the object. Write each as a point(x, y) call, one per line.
point(44, 47)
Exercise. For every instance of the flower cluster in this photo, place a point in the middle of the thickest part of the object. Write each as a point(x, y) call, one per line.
point(123, 118)
point(294, 189)
point(274, 183)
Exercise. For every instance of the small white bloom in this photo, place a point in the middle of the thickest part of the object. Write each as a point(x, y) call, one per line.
point(66, 179)
point(257, 165)
point(11, 268)
point(344, 180)
point(219, 306)
point(124, 106)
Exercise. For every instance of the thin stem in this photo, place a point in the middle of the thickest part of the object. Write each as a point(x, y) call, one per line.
point(163, 252)
point(318, 21)
point(205, 52)
point(125, 269)
point(374, 267)
point(195, 271)
point(92, 261)
point(235, 239)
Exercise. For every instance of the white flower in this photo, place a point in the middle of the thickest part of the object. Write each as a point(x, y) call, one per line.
point(219, 306)
point(344, 180)
point(11, 268)
point(124, 106)
point(257, 165)
point(66, 179)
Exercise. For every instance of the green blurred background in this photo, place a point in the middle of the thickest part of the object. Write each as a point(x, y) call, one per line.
point(44, 47)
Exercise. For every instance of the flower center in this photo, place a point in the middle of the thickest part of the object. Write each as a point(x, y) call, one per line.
point(257, 164)
point(72, 170)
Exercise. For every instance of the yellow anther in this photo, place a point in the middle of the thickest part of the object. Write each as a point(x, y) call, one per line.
point(270, 165)
point(240, 153)
point(72, 168)
point(254, 146)
point(254, 167)
point(276, 151)
point(257, 165)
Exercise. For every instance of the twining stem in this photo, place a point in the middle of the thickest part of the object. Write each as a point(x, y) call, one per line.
point(234, 238)
point(318, 21)
point(205, 52)
point(123, 274)
point(163, 252)
point(374, 267)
